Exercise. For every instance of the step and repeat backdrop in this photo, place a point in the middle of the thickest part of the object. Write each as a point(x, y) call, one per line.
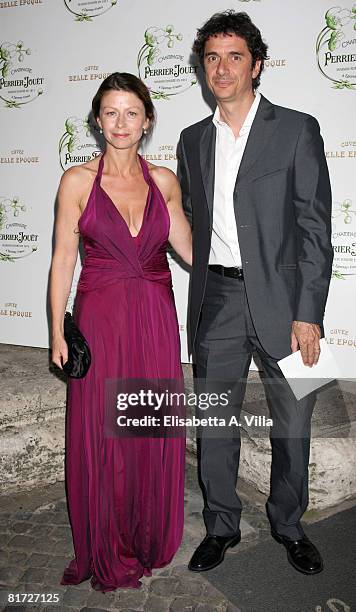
point(53, 56)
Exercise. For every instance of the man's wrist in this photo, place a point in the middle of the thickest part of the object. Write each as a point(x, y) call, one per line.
point(296, 321)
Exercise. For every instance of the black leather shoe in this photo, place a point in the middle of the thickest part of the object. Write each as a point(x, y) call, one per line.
point(211, 551)
point(302, 554)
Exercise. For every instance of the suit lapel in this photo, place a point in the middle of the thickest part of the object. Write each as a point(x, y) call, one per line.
point(262, 128)
point(207, 163)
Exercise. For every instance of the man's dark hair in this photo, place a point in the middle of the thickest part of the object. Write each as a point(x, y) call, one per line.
point(229, 22)
point(124, 81)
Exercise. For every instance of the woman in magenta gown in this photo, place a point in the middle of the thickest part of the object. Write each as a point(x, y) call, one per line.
point(125, 495)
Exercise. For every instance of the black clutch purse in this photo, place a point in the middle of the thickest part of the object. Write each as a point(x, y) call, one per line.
point(79, 356)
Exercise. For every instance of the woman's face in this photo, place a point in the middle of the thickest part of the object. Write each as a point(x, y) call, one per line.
point(122, 118)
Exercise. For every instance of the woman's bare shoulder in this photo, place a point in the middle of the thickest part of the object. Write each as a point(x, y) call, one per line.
point(80, 176)
point(81, 172)
point(163, 177)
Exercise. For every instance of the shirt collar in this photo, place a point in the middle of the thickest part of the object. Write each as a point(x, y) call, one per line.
point(249, 118)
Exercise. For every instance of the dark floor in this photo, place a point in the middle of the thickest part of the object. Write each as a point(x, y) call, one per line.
point(35, 543)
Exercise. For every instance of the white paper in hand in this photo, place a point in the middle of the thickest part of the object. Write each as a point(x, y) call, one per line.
point(304, 379)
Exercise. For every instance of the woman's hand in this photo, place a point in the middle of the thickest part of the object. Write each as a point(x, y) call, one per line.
point(59, 351)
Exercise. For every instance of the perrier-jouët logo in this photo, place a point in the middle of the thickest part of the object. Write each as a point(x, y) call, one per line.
point(336, 47)
point(162, 65)
point(87, 10)
point(18, 84)
point(77, 144)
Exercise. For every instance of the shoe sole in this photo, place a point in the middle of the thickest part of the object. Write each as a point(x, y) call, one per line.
point(233, 543)
point(278, 539)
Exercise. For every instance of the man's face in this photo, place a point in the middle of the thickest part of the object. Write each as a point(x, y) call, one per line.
point(228, 67)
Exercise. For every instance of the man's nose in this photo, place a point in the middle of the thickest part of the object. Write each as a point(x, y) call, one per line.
point(222, 66)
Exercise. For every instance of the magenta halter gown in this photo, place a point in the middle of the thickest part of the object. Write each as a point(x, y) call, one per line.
point(125, 495)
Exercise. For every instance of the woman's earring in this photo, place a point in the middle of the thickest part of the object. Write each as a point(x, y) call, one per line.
point(101, 131)
point(144, 131)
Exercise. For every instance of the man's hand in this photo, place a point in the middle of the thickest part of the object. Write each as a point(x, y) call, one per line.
point(306, 336)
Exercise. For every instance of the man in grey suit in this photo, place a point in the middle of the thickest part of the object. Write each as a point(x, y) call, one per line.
point(256, 189)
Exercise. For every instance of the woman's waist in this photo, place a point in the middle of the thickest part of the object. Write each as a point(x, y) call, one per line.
point(155, 261)
point(98, 272)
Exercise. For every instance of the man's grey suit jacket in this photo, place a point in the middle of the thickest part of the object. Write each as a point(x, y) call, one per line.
point(282, 202)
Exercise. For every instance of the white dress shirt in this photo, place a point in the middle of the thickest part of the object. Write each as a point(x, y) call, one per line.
point(228, 155)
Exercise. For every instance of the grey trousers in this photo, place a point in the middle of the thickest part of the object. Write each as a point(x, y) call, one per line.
point(226, 340)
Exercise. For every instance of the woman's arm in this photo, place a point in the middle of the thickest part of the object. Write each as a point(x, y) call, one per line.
point(64, 257)
point(180, 235)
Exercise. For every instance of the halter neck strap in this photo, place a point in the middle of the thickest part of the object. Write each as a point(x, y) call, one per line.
point(145, 171)
point(100, 168)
